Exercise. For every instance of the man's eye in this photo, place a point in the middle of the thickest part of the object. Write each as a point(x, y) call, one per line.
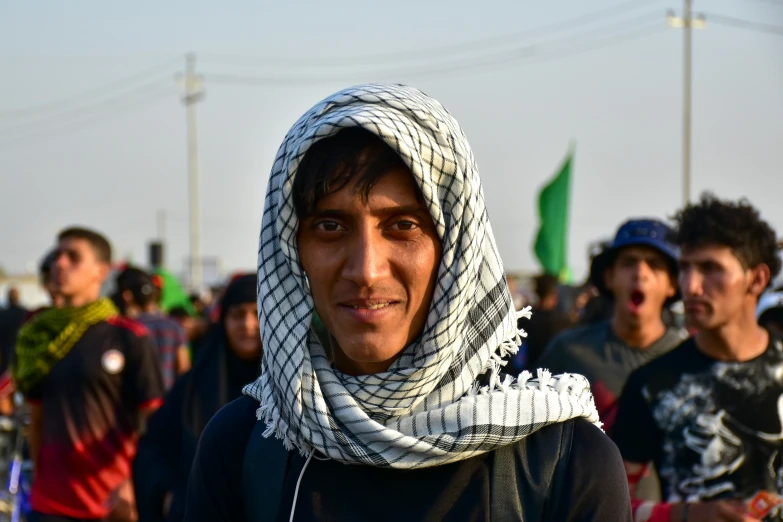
point(404, 225)
point(328, 226)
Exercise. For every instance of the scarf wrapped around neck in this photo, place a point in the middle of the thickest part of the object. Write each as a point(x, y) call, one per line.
point(48, 337)
point(427, 409)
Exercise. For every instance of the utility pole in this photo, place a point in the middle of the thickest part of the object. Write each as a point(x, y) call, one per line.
point(194, 93)
point(687, 22)
point(161, 225)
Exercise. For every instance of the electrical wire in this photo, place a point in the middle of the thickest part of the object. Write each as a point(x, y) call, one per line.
point(438, 51)
point(89, 93)
point(529, 52)
point(79, 110)
point(90, 119)
point(744, 24)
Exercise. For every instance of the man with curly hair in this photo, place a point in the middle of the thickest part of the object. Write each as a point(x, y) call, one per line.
point(710, 412)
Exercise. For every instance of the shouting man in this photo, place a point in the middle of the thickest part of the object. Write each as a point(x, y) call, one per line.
point(638, 274)
point(375, 219)
point(89, 376)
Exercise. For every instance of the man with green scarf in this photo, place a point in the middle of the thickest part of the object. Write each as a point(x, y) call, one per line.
point(90, 377)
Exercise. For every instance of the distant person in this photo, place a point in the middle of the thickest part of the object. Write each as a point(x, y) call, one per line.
point(709, 412)
point(7, 387)
point(185, 320)
point(11, 319)
point(547, 320)
point(598, 308)
point(90, 377)
point(141, 298)
point(637, 274)
point(375, 219)
point(45, 276)
point(230, 359)
point(198, 303)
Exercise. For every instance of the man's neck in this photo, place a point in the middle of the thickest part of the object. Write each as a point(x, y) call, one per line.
point(738, 341)
point(641, 335)
point(76, 301)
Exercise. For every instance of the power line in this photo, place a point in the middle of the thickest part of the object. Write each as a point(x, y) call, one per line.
point(777, 3)
point(90, 93)
point(531, 52)
point(79, 110)
point(745, 24)
point(443, 50)
point(96, 117)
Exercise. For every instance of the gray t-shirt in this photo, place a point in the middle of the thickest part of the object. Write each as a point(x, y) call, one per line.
point(597, 353)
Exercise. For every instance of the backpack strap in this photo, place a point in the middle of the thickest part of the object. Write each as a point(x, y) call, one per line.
point(263, 475)
point(561, 468)
point(528, 476)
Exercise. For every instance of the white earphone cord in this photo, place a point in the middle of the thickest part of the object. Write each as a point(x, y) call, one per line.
point(298, 482)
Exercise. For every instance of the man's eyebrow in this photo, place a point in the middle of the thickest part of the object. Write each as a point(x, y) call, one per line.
point(383, 211)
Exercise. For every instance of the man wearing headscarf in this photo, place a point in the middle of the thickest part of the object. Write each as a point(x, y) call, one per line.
point(375, 219)
point(229, 360)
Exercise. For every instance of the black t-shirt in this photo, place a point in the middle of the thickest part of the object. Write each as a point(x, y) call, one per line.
point(596, 487)
point(714, 429)
point(91, 403)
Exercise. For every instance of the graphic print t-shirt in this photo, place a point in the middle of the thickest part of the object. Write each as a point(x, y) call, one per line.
point(714, 429)
point(90, 404)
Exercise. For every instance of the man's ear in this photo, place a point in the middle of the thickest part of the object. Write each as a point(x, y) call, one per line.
point(103, 272)
point(672, 291)
point(759, 279)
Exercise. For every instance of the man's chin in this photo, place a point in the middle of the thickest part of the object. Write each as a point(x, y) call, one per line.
point(371, 349)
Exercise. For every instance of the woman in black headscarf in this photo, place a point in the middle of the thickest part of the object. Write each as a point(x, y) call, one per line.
point(229, 359)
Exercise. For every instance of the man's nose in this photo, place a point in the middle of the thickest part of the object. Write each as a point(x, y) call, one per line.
point(367, 260)
point(690, 282)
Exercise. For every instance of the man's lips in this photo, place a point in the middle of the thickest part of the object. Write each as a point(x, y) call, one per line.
point(368, 310)
point(695, 306)
point(376, 303)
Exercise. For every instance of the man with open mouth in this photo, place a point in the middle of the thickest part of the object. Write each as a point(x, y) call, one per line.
point(375, 219)
point(638, 273)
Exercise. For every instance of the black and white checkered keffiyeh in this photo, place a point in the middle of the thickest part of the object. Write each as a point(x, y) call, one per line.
point(427, 409)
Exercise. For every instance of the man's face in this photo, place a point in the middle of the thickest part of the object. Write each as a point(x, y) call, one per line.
point(640, 281)
point(242, 330)
point(77, 270)
point(371, 267)
point(716, 287)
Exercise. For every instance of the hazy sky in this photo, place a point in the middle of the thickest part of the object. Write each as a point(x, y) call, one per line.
point(111, 159)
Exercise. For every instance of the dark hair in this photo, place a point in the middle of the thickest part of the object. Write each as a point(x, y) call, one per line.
point(98, 242)
point(734, 224)
point(179, 312)
point(45, 268)
point(331, 163)
point(139, 284)
point(545, 285)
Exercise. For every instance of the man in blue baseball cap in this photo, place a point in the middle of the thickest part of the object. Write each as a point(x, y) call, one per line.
point(638, 273)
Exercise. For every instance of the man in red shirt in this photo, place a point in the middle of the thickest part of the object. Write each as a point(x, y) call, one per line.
point(90, 377)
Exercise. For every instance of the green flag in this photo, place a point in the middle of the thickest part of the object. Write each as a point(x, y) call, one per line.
point(551, 246)
point(173, 295)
